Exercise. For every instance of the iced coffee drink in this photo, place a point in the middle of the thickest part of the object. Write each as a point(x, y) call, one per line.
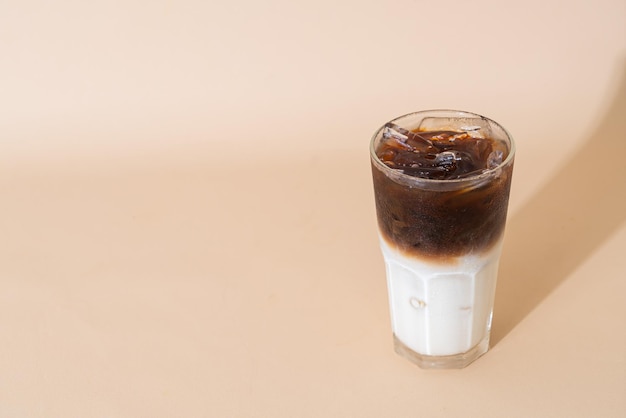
point(441, 182)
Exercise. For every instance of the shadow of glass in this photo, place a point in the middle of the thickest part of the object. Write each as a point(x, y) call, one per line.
point(571, 216)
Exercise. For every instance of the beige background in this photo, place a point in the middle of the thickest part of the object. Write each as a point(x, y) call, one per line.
point(187, 222)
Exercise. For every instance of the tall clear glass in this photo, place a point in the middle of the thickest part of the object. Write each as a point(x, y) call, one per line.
point(441, 241)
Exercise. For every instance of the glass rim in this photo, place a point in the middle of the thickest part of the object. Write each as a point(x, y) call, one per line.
point(414, 179)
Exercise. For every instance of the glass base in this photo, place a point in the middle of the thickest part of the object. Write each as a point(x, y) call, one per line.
point(455, 361)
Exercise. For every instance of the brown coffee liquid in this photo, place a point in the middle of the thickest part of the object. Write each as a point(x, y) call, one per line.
point(439, 223)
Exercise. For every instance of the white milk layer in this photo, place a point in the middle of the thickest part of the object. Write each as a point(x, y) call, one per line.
point(441, 309)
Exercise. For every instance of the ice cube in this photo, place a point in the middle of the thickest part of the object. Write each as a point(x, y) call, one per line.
point(407, 139)
point(476, 127)
point(447, 160)
point(494, 159)
point(396, 135)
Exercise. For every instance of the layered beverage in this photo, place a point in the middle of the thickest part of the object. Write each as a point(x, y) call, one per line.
point(441, 182)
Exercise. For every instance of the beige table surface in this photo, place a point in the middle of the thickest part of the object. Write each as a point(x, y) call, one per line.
point(187, 221)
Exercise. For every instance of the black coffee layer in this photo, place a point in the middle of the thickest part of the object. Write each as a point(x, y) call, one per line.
point(443, 223)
